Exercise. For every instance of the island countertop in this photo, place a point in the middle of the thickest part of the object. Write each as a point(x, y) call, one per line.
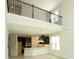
point(35, 51)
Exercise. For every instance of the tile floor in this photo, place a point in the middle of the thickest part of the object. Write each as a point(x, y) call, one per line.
point(37, 57)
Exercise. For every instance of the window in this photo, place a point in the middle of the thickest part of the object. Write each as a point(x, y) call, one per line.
point(55, 42)
point(54, 18)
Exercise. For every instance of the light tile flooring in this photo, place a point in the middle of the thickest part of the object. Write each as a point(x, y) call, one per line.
point(37, 57)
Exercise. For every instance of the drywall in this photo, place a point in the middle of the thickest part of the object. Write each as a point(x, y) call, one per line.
point(6, 36)
point(67, 36)
point(6, 42)
point(24, 25)
point(13, 44)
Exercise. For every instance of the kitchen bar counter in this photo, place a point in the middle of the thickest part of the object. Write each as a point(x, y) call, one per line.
point(35, 51)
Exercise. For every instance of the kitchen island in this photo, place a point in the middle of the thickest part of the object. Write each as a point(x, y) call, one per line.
point(35, 51)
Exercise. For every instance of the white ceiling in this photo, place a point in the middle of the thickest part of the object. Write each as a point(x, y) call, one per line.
point(28, 30)
point(45, 4)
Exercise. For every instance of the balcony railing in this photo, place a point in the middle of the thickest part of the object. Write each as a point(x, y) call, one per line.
point(22, 8)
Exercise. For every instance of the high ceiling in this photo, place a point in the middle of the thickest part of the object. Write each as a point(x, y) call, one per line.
point(44, 4)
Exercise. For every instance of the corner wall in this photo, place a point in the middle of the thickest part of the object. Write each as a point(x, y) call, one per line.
point(67, 36)
point(6, 34)
point(13, 45)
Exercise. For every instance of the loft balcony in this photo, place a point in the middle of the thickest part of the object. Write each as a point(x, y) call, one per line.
point(24, 9)
point(25, 18)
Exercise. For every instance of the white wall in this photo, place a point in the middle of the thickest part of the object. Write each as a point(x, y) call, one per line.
point(6, 42)
point(13, 44)
point(6, 35)
point(67, 36)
